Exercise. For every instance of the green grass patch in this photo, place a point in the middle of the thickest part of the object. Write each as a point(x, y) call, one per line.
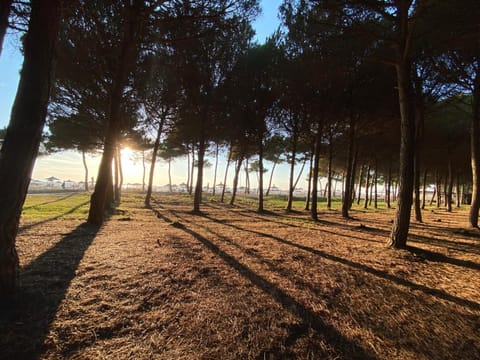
point(39, 207)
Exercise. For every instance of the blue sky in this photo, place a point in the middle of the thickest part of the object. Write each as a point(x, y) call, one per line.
point(68, 164)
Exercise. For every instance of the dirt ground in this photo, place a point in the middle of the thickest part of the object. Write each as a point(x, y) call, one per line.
point(235, 284)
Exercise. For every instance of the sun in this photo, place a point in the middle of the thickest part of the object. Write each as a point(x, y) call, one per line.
point(127, 154)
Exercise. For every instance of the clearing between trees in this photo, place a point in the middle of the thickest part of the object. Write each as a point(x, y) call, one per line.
point(236, 284)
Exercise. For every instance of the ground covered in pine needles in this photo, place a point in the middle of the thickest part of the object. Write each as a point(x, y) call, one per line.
point(231, 283)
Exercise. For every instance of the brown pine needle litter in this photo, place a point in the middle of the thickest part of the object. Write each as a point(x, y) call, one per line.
point(235, 284)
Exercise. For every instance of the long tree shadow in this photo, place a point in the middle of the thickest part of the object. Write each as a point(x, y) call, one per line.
point(26, 317)
point(50, 202)
point(347, 348)
point(458, 348)
point(381, 274)
point(71, 211)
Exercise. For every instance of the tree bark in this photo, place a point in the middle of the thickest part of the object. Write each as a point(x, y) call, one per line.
point(238, 167)
point(197, 199)
point(360, 178)
point(309, 185)
point(226, 174)
point(260, 175)
point(84, 160)
point(457, 189)
point(192, 170)
point(329, 173)
point(398, 236)
point(316, 165)
point(156, 145)
point(375, 201)
point(438, 192)
point(449, 197)
point(215, 171)
point(127, 58)
point(270, 180)
point(350, 176)
point(389, 185)
point(5, 8)
point(292, 166)
point(424, 188)
point(22, 140)
point(475, 151)
point(367, 188)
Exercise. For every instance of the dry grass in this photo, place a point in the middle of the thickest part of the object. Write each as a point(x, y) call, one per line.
point(235, 284)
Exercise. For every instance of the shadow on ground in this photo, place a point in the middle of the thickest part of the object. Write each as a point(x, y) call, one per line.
point(25, 319)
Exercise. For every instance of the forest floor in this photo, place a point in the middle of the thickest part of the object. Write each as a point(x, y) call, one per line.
point(231, 283)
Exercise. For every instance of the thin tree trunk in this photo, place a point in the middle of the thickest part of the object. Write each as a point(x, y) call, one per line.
point(372, 185)
point(433, 196)
point(450, 185)
point(192, 171)
point(292, 167)
point(389, 185)
point(329, 173)
point(439, 193)
point(316, 165)
point(5, 8)
point(360, 178)
point(457, 190)
point(116, 182)
point(238, 167)
point(120, 173)
point(350, 176)
point(22, 140)
point(260, 175)
point(299, 174)
point(197, 199)
point(352, 179)
point(84, 160)
point(367, 188)
point(424, 188)
point(375, 202)
point(271, 177)
point(215, 171)
point(226, 174)
point(445, 189)
point(309, 185)
point(156, 145)
point(247, 178)
point(126, 60)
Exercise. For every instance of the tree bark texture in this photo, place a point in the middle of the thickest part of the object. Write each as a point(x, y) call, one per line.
point(399, 233)
point(22, 140)
point(475, 151)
